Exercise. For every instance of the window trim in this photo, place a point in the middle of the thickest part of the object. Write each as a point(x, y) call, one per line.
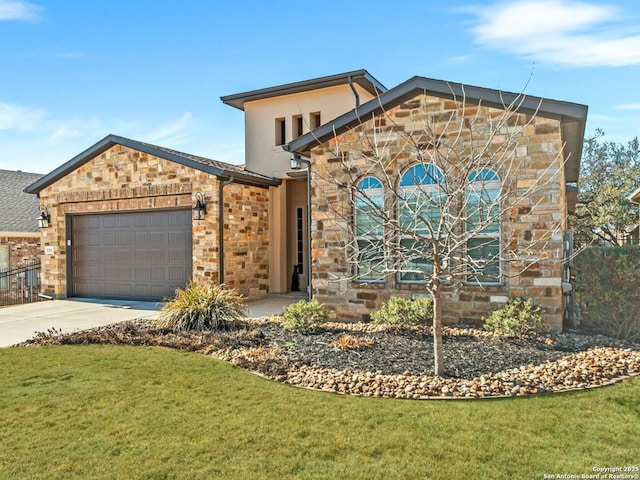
point(315, 120)
point(280, 131)
point(297, 122)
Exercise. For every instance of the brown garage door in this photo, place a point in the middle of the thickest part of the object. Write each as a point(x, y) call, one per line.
point(142, 256)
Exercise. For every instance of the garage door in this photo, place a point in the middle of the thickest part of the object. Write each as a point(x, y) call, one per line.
point(141, 256)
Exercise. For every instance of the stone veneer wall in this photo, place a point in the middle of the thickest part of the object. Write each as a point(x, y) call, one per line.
point(246, 239)
point(525, 228)
point(123, 179)
point(23, 247)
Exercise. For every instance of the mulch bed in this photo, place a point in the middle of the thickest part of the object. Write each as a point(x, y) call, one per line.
point(363, 359)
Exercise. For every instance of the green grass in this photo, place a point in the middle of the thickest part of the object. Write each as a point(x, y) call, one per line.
point(115, 412)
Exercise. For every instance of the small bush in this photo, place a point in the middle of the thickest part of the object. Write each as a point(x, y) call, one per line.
point(516, 318)
point(304, 317)
point(201, 307)
point(404, 312)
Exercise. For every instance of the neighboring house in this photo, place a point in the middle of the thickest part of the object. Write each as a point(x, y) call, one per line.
point(635, 233)
point(19, 235)
point(121, 211)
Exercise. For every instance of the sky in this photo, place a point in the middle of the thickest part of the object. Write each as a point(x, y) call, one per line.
point(74, 72)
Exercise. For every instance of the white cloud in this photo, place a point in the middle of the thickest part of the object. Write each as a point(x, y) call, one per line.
point(17, 117)
point(628, 106)
point(18, 10)
point(459, 60)
point(172, 133)
point(569, 33)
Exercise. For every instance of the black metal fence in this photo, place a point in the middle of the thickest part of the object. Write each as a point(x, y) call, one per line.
point(20, 284)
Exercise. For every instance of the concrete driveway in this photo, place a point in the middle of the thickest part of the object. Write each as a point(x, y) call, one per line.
point(20, 322)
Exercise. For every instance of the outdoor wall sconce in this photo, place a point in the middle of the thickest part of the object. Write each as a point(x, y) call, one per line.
point(44, 218)
point(296, 164)
point(200, 209)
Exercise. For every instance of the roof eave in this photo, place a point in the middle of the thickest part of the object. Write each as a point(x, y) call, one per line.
point(635, 196)
point(361, 77)
point(111, 140)
point(571, 115)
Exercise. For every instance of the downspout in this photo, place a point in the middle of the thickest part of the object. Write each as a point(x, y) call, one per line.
point(221, 228)
point(355, 92)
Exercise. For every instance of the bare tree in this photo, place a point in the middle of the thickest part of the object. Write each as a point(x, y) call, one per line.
point(429, 201)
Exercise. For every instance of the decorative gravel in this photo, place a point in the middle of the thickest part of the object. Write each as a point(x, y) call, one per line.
point(362, 359)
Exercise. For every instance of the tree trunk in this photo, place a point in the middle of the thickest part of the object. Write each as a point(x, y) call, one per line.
point(438, 352)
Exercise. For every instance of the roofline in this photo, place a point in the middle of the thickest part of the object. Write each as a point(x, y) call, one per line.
point(635, 196)
point(361, 77)
point(111, 140)
point(573, 114)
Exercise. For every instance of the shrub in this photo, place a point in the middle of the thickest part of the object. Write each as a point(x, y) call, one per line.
point(404, 312)
point(202, 306)
point(608, 281)
point(304, 317)
point(516, 318)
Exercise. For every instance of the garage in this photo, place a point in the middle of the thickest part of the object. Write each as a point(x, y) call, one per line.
point(134, 255)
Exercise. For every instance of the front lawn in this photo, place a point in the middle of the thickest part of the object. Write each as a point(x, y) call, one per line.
point(136, 412)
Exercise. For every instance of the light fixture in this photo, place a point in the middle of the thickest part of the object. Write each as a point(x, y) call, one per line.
point(200, 209)
point(44, 218)
point(295, 162)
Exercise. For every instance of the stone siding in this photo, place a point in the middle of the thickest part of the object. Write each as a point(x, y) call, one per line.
point(246, 239)
point(125, 180)
point(532, 228)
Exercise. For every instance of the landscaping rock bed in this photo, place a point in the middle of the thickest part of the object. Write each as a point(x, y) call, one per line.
point(363, 359)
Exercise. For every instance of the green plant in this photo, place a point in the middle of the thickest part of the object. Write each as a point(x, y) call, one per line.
point(304, 317)
point(607, 280)
point(116, 411)
point(202, 306)
point(402, 312)
point(516, 318)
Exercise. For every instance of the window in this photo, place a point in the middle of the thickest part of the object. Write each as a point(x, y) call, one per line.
point(369, 203)
point(482, 204)
point(4, 267)
point(281, 131)
point(300, 238)
point(314, 120)
point(298, 126)
point(419, 214)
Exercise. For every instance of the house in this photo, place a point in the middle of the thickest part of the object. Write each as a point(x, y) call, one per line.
point(134, 220)
point(635, 233)
point(121, 211)
point(19, 235)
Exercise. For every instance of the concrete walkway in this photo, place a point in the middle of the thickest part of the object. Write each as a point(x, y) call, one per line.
point(21, 322)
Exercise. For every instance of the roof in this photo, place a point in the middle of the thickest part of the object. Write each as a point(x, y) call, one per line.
point(18, 211)
point(635, 196)
point(213, 167)
point(360, 77)
point(571, 115)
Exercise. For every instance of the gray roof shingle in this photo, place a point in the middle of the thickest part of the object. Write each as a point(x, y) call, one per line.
point(18, 210)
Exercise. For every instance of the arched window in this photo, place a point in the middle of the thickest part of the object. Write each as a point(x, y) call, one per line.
point(483, 212)
point(369, 228)
point(419, 212)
